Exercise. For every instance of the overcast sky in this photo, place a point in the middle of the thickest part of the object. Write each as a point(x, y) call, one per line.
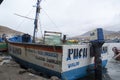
point(71, 17)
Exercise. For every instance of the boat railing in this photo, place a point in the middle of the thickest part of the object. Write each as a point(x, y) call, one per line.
point(52, 38)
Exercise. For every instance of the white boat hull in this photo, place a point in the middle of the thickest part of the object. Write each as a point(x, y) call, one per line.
point(62, 61)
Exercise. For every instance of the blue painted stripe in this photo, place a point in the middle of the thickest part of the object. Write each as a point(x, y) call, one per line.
point(79, 72)
point(68, 75)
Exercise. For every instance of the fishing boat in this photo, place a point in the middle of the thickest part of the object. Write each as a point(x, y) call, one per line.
point(3, 45)
point(55, 56)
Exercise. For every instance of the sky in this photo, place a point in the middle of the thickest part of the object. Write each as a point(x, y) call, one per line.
point(71, 17)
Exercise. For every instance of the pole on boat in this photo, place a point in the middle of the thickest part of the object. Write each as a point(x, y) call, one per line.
point(97, 40)
point(36, 19)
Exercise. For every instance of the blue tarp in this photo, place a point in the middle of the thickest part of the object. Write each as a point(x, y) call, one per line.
point(19, 38)
point(1, 40)
point(16, 39)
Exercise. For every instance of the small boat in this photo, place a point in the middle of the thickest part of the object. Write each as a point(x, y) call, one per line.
point(3, 45)
point(55, 56)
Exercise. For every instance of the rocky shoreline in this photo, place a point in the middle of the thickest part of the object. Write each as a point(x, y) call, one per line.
point(12, 71)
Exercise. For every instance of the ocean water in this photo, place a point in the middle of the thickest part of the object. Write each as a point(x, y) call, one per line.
point(113, 71)
point(113, 68)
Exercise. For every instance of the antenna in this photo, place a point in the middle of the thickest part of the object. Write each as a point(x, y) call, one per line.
point(23, 16)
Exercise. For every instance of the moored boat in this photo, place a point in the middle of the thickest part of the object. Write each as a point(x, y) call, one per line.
point(55, 60)
point(54, 56)
point(3, 45)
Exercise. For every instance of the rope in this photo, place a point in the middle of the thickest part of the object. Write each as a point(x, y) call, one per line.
point(51, 20)
point(19, 25)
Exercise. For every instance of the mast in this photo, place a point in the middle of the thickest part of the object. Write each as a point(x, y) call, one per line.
point(36, 19)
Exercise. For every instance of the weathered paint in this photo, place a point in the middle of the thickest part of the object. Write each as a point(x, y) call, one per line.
point(76, 56)
point(47, 59)
point(61, 61)
point(3, 46)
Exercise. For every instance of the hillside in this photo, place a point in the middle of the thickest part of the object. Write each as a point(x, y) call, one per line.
point(86, 36)
point(107, 34)
point(8, 31)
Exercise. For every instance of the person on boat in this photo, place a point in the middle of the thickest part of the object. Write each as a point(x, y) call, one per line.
point(116, 53)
